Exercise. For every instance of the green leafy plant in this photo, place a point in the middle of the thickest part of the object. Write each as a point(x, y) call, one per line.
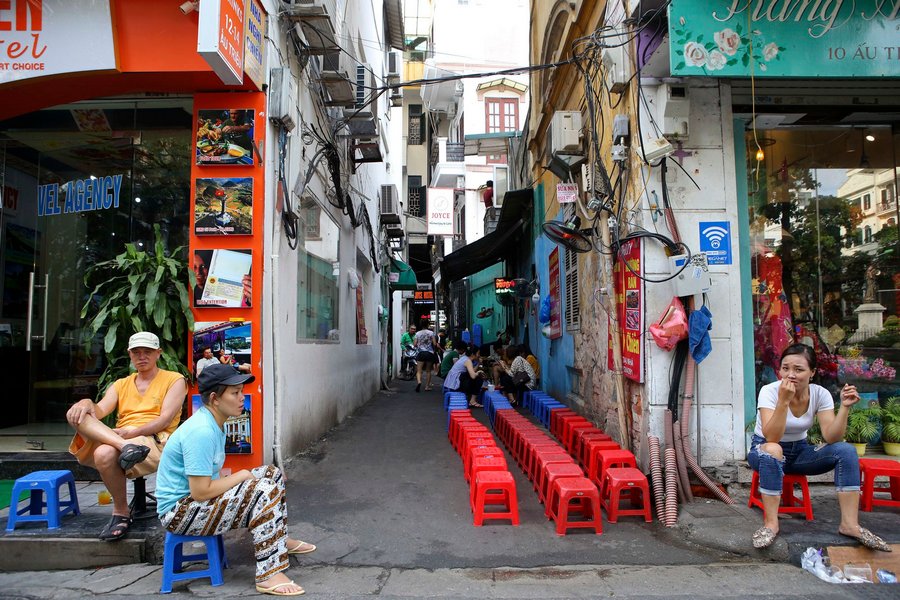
point(141, 291)
point(862, 424)
point(890, 418)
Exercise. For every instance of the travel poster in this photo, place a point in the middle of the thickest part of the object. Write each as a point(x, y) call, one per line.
point(225, 137)
point(223, 278)
point(223, 206)
point(237, 429)
point(222, 341)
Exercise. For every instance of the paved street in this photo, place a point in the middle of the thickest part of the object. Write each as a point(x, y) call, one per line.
point(383, 497)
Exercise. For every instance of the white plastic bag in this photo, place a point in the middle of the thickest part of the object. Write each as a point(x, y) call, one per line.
point(812, 562)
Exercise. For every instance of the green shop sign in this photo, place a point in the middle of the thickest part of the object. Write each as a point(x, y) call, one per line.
point(785, 38)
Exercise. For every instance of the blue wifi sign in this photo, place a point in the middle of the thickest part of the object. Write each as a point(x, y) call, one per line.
point(715, 241)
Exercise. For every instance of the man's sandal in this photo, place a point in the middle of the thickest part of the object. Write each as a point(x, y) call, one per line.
point(274, 590)
point(763, 538)
point(116, 528)
point(870, 540)
point(302, 548)
point(131, 455)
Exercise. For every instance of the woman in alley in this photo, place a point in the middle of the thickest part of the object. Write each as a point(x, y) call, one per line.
point(464, 377)
point(785, 411)
point(192, 498)
point(427, 348)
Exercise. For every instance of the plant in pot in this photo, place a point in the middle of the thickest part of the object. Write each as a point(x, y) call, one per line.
point(141, 291)
point(890, 419)
point(862, 426)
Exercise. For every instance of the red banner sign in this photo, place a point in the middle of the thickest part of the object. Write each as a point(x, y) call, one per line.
point(630, 310)
point(555, 303)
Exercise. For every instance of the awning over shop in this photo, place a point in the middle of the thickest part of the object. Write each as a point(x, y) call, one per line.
point(402, 276)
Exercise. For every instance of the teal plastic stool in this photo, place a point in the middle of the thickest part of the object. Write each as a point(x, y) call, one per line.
point(41, 483)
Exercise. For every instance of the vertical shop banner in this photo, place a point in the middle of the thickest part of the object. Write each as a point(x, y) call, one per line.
point(727, 38)
point(440, 211)
point(255, 48)
point(555, 303)
point(630, 310)
point(220, 38)
point(362, 336)
point(51, 37)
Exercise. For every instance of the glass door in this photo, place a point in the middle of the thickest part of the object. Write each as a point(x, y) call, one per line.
point(79, 182)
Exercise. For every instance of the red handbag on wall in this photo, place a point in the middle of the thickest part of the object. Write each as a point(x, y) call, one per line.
point(672, 326)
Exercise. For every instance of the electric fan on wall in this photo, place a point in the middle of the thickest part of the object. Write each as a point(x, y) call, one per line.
point(568, 235)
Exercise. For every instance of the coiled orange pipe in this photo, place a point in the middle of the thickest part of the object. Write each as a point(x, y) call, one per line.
point(659, 486)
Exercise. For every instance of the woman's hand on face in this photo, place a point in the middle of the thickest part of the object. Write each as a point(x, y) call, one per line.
point(786, 391)
point(849, 395)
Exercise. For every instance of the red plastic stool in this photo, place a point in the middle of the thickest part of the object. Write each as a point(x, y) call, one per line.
point(869, 469)
point(627, 480)
point(456, 423)
point(556, 415)
point(582, 435)
point(523, 443)
point(574, 495)
point(546, 458)
point(571, 431)
point(789, 502)
point(495, 487)
point(607, 459)
point(490, 452)
point(464, 428)
point(564, 422)
point(552, 472)
point(485, 463)
point(531, 466)
point(473, 440)
point(589, 451)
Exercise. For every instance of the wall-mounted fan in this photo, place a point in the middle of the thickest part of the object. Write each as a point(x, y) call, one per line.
point(524, 288)
point(568, 235)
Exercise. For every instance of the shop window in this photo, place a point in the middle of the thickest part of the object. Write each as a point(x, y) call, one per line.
point(818, 253)
point(318, 276)
point(573, 310)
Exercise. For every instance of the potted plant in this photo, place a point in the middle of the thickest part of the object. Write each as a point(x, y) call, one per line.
point(141, 291)
point(862, 426)
point(890, 419)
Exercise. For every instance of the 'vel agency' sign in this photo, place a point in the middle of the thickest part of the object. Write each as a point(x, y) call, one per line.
point(785, 38)
point(51, 37)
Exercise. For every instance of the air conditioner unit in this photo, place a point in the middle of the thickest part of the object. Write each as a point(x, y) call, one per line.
point(389, 199)
point(565, 132)
point(394, 63)
point(364, 89)
point(394, 231)
point(335, 77)
point(673, 105)
point(314, 22)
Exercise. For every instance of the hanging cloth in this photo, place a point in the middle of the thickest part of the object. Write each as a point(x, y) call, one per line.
point(699, 324)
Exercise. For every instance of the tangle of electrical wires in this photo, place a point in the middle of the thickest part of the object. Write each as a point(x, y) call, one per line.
point(289, 218)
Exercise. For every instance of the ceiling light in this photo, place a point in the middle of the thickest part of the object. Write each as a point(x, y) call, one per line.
point(760, 155)
point(870, 137)
point(137, 199)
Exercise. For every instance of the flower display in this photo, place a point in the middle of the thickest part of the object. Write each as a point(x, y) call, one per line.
point(859, 368)
point(695, 54)
point(728, 48)
point(716, 61)
point(728, 41)
point(770, 51)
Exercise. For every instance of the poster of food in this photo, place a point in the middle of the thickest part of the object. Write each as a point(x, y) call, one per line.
point(223, 206)
point(237, 429)
point(223, 278)
point(225, 342)
point(225, 137)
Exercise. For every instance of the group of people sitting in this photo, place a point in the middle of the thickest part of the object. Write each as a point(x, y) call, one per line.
point(513, 370)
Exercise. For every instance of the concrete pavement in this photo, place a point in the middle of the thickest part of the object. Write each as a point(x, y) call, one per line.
point(383, 496)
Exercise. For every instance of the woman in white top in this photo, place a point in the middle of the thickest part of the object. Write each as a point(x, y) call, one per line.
point(785, 411)
point(464, 377)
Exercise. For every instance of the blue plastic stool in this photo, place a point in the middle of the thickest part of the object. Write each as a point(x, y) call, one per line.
point(39, 483)
point(174, 559)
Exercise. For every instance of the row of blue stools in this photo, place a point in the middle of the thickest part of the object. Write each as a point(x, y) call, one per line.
point(44, 488)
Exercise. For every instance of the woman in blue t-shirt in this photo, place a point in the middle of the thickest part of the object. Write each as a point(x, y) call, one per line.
point(193, 500)
point(785, 411)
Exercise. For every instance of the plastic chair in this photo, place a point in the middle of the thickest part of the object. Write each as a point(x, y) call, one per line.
point(789, 502)
point(174, 559)
point(870, 468)
point(40, 484)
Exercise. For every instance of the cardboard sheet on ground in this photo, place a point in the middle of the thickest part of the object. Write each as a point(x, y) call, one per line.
point(841, 555)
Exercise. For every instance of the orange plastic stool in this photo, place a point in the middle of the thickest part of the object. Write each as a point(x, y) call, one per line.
point(627, 480)
point(589, 451)
point(571, 496)
point(869, 469)
point(552, 472)
point(789, 502)
point(607, 459)
point(495, 487)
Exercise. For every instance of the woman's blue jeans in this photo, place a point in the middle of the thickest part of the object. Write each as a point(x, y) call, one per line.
point(802, 459)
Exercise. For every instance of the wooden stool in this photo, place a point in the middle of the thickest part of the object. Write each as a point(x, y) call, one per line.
point(502, 489)
point(574, 495)
point(628, 480)
point(789, 502)
point(869, 469)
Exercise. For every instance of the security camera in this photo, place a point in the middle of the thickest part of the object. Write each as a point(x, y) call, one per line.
point(189, 6)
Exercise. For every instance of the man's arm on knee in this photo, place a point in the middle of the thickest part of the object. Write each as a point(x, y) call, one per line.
point(86, 406)
point(171, 407)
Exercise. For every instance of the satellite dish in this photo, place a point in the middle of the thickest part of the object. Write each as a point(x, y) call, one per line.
point(568, 235)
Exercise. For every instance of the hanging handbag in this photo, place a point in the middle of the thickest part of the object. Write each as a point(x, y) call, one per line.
point(672, 326)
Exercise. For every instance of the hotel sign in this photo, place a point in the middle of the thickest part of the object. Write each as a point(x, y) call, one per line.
point(52, 37)
point(220, 38)
point(440, 211)
point(785, 38)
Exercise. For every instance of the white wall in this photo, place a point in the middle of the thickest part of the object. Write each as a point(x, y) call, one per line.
point(311, 386)
point(719, 391)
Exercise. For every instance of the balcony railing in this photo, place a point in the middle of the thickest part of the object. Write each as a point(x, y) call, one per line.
point(883, 207)
point(442, 151)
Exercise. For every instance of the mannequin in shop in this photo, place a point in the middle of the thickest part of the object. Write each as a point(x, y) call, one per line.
point(148, 406)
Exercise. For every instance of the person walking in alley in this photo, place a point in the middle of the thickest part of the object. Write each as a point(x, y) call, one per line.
point(192, 498)
point(426, 344)
point(785, 412)
point(149, 407)
point(464, 377)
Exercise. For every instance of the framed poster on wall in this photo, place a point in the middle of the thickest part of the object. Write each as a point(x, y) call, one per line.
point(225, 137)
point(227, 342)
point(238, 430)
point(223, 206)
point(223, 278)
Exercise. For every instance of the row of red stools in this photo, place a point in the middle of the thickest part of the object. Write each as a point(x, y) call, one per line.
point(491, 485)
